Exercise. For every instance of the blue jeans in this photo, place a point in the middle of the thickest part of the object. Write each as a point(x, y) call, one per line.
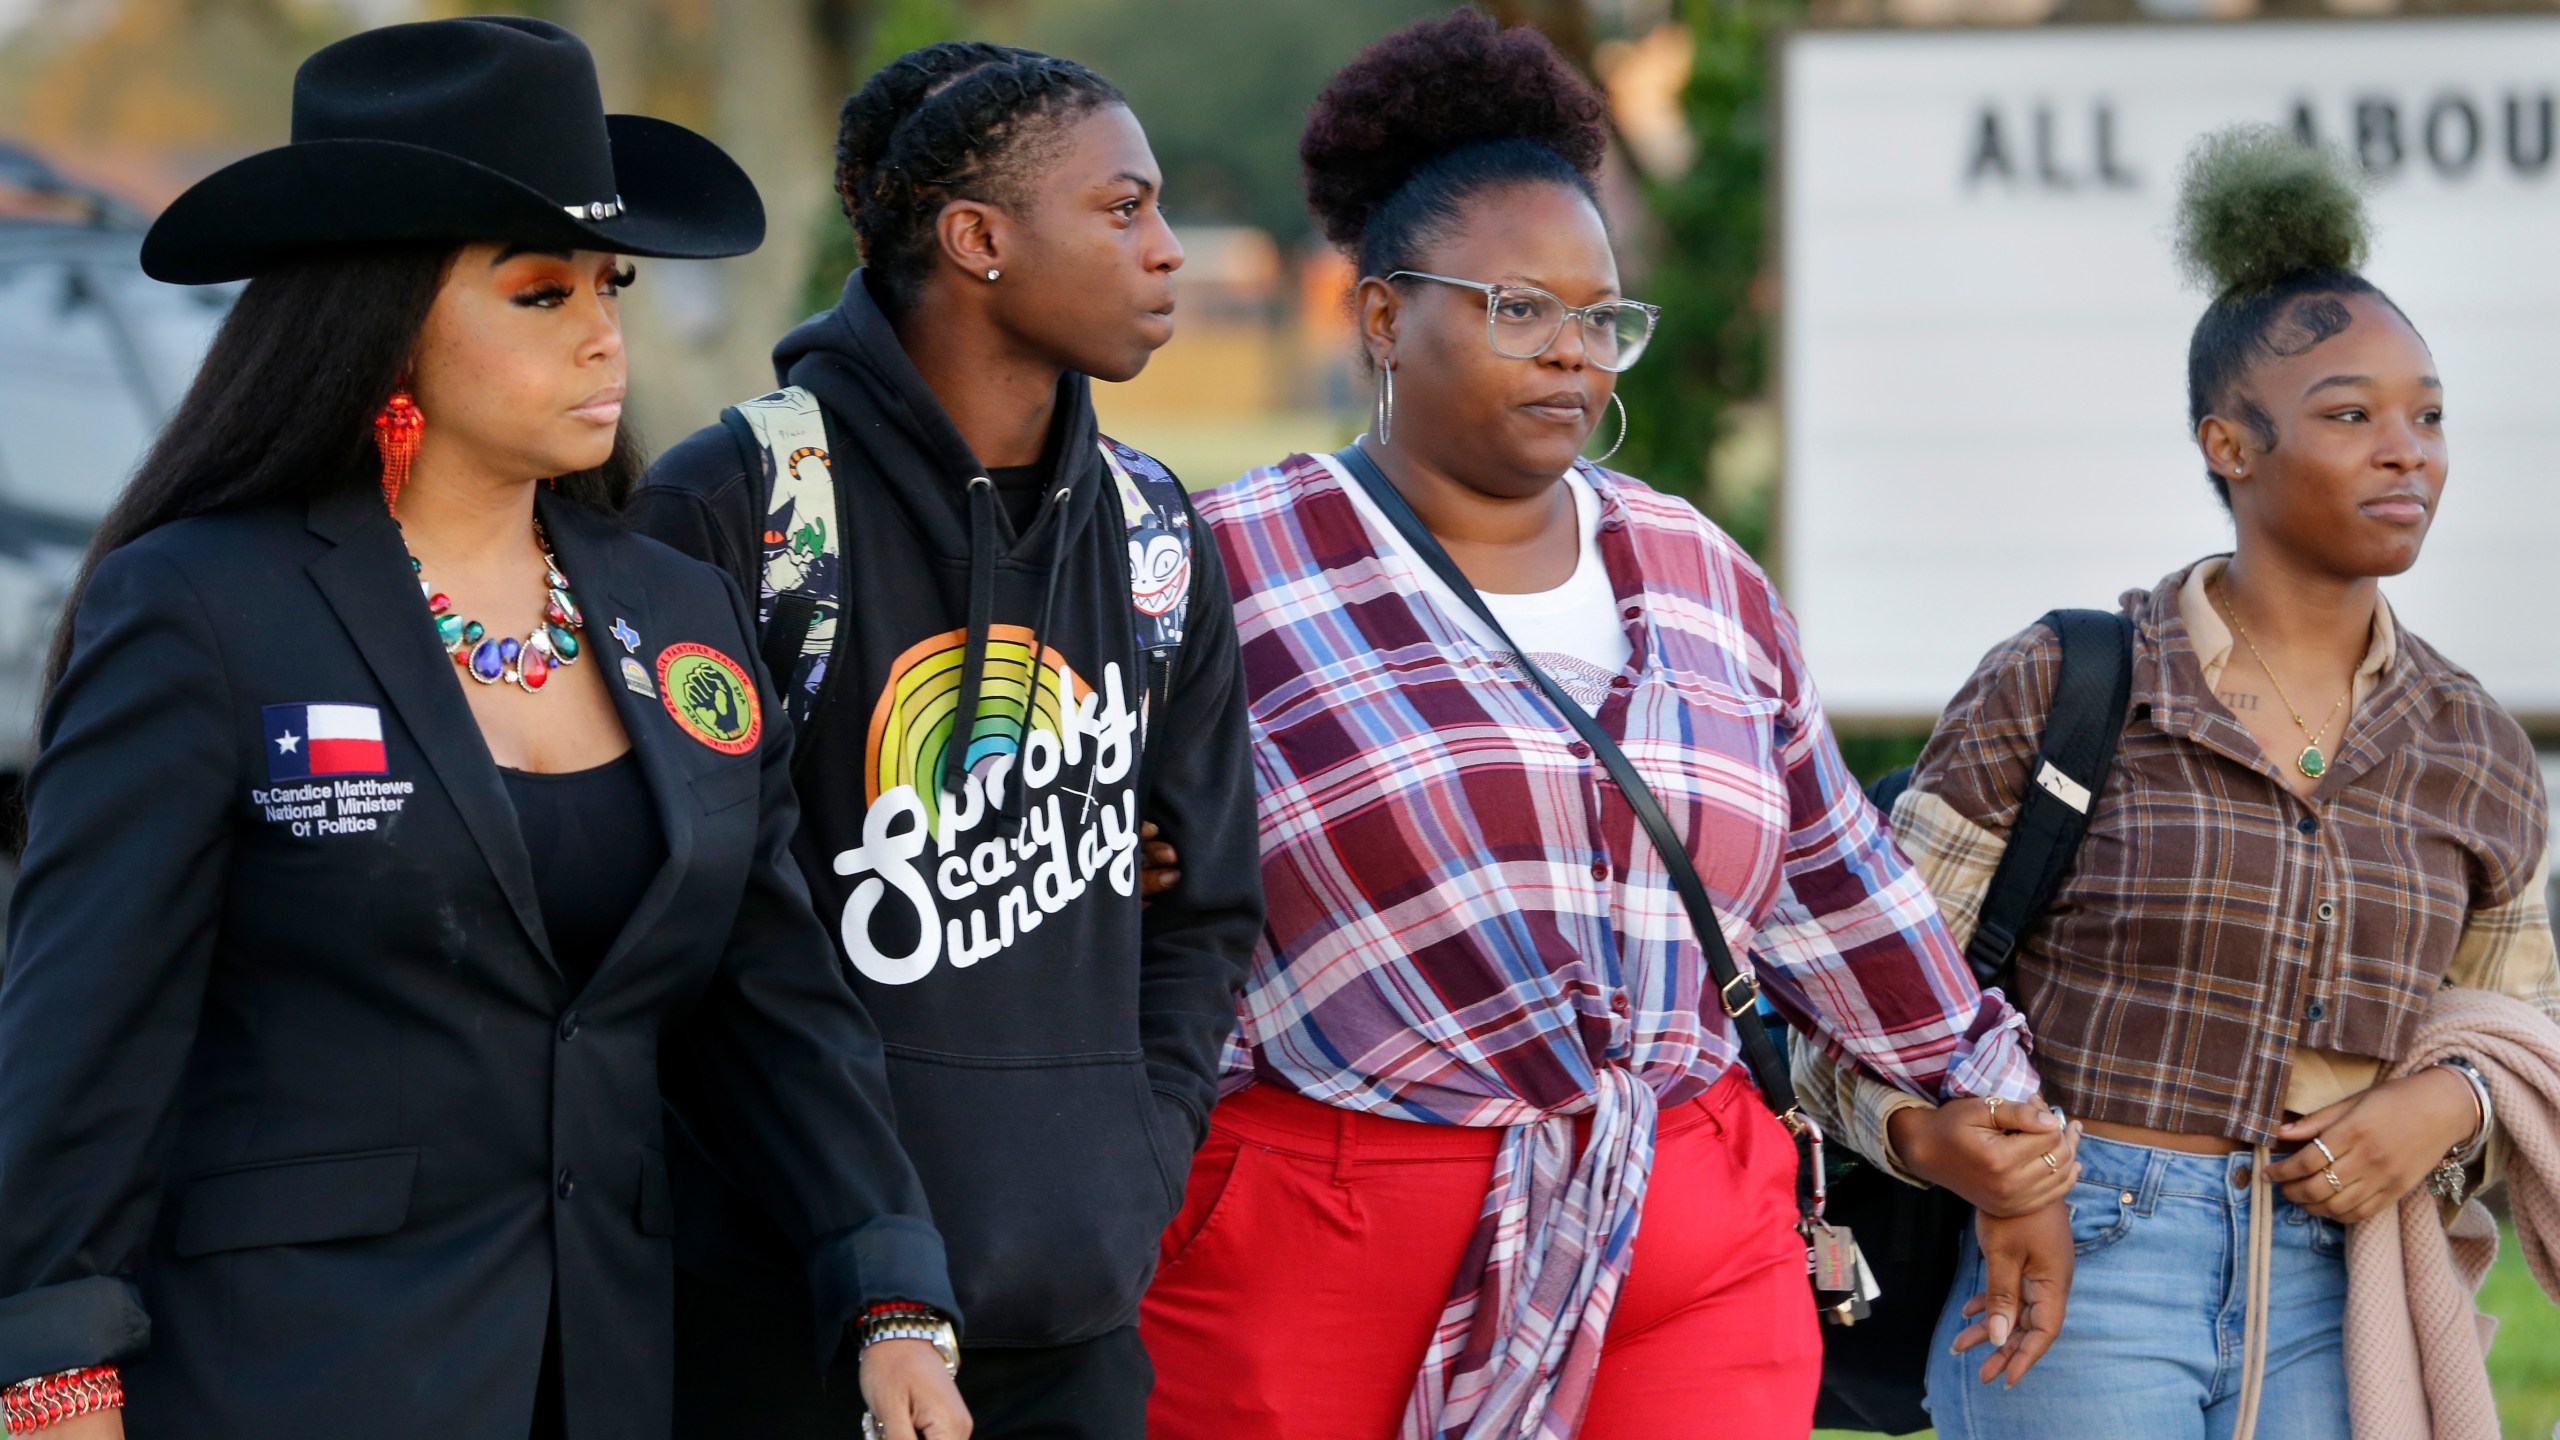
point(2151, 1346)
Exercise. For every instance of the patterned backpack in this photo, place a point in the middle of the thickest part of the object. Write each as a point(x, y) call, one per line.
point(783, 437)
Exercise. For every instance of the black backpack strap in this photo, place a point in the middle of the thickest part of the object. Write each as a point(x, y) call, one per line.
point(780, 643)
point(1736, 993)
point(1885, 791)
point(2078, 749)
point(750, 449)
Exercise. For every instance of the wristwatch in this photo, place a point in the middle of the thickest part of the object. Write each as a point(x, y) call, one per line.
point(913, 1322)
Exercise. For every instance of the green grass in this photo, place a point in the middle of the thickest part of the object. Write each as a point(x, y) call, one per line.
point(2524, 1364)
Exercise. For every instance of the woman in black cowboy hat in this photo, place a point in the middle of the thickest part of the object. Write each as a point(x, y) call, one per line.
point(392, 802)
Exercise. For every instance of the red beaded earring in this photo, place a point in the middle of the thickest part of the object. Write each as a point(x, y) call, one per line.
point(396, 431)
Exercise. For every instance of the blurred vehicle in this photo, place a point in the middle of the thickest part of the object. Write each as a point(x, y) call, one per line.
point(93, 354)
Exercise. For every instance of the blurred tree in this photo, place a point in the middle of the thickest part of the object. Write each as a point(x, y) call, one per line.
point(762, 77)
point(1708, 269)
point(155, 92)
point(1566, 22)
point(158, 92)
point(877, 32)
point(1223, 88)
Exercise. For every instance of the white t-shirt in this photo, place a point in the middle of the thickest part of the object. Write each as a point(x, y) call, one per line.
point(1572, 631)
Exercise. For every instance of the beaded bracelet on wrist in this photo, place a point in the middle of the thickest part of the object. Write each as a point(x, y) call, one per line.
point(908, 1320)
point(47, 1400)
point(904, 1309)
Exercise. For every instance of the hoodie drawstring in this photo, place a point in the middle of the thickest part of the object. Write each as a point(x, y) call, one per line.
point(982, 614)
point(1017, 800)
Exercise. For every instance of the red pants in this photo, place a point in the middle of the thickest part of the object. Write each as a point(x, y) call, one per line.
point(1315, 1248)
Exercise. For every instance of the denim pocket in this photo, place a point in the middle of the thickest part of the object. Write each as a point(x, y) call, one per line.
point(2099, 1216)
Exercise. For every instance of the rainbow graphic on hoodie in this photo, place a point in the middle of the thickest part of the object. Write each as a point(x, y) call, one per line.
point(912, 723)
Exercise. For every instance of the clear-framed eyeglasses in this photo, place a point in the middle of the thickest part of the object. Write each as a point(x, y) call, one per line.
point(1522, 321)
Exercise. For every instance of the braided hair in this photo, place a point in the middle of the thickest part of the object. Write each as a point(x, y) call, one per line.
point(1433, 115)
point(961, 120)
point(2275, 231)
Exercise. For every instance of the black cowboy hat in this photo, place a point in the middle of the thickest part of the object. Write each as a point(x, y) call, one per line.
point(482, 129)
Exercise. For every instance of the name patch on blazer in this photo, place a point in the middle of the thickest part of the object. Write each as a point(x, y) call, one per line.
point(318, 758)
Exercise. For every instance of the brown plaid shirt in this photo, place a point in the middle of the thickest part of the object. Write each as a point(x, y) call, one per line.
point(2216, 923)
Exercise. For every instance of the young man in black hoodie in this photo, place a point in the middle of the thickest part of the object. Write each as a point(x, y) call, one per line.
point(994, 571)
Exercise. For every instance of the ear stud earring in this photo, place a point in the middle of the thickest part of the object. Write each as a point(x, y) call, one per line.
point(993, 274)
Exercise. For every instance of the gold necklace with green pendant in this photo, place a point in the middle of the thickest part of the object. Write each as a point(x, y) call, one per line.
point(2311, 762)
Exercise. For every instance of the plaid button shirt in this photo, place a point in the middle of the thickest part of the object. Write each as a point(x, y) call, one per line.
point(2217, 924)
point(1467, 926)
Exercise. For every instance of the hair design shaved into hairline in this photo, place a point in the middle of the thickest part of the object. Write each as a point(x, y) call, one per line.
point(2312, 322)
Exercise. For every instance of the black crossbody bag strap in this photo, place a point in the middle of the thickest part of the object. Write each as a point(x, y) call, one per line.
point(1737, 993)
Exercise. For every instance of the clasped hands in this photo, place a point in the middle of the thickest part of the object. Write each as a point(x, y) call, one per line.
point(2015, 1162)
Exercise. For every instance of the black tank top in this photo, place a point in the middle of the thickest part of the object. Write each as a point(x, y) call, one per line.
point(595, 842)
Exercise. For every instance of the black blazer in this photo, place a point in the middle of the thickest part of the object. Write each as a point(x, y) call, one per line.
point(298, 1120)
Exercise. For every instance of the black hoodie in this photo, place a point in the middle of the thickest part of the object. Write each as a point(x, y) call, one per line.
point(1052, 1044)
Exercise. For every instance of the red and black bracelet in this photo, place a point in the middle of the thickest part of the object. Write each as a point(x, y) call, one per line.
point(48, 1400)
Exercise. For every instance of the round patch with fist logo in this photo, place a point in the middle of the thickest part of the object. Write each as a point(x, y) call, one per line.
point(710, 695)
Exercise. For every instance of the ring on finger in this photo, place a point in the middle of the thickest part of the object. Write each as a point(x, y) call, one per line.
point(2325, 1152)
point(1994, 1104)
point(2051, 1163)
point(2330, 1174)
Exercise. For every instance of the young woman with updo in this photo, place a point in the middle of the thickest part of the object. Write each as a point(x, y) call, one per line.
point(2322, 845)
point(1486, 1161)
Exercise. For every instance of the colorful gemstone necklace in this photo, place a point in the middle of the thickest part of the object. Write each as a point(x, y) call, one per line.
point(525, 663)
point(2312, 762)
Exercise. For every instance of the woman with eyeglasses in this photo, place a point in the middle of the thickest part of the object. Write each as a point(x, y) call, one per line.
point(1487, 1162)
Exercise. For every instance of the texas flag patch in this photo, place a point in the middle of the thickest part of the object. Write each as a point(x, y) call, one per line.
point(304, 741)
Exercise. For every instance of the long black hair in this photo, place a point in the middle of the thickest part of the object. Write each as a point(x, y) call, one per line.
point(282, 409)
point(962, 119)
